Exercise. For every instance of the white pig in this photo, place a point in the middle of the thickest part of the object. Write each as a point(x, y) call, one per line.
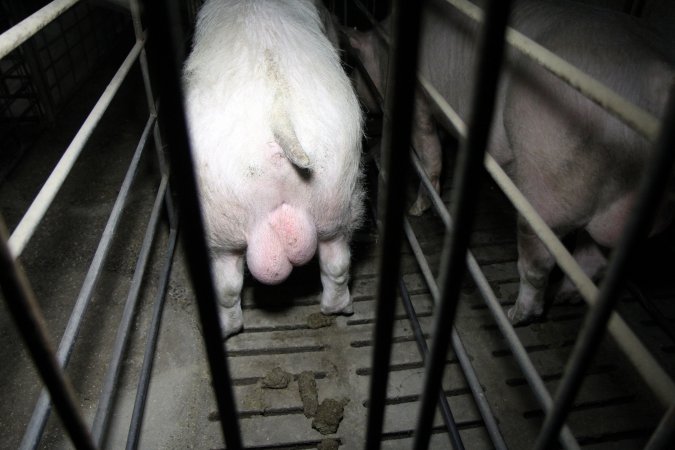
point(275, 131)
point(576, 164)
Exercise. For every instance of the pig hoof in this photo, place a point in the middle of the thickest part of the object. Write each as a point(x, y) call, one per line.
point(231, 321)
point(520, 317)
point(418, 208)
point(346, 310)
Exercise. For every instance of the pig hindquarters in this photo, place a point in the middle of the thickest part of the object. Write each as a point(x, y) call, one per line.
point(576, 164)
point(275, 130)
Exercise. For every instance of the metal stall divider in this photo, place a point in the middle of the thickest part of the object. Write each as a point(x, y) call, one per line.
point(403, 54)
point(640, 120)
point(472, 149)
point(168, 57)
point(35, 333)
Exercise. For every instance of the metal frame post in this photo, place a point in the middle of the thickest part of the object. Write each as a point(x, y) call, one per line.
point(166, 49)
point(467, 178)
point(395, 162)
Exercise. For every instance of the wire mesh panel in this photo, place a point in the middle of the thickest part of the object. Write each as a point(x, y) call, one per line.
point(46, 71)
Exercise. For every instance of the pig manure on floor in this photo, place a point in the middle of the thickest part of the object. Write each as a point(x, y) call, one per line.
point(276, 378)
point(308, 393)
point(329, 415)
point(328, 444)
point(318, 320)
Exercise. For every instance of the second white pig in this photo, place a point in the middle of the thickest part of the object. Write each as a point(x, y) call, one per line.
point(576, 164)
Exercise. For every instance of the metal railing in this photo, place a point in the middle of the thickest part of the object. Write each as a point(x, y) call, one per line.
point(601, 309)
point(16, 288)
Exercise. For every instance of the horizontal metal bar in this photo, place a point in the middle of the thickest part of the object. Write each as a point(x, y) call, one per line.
point(151, 346)
point(31, 325)
point(122, 338)
point(24, 231)
point(22, 31)
point(38, 420)
point(633, 116)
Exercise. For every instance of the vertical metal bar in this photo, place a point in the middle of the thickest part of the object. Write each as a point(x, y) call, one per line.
point(151, 347)
point(467, 179)
point(166, 47)
point(41, 412)
point(122, 338)
point(152, 106)
point(652, 187)
point(395, 162)
point(664, 435)
point(28, 318)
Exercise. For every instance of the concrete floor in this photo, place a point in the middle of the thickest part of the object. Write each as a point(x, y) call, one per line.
point(615, 410)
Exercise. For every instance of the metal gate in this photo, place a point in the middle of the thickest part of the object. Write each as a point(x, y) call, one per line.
point(442, 292)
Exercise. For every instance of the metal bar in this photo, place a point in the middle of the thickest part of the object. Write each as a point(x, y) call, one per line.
point(122, 338)
point(396, 142)
point(152, 104)
point(151, 347)
point(19, 33)
point(652, 187)
point(167, 51)
point(448, 418)
point(664, 435)
point(43, 200)
point(633, 116)
point(519, 353)
point(38, 420)
point(523, 360)
point(29, 321)
point(467, 179)
point(446, 412)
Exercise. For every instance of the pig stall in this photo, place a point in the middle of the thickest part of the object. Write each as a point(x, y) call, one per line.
point(109, 306)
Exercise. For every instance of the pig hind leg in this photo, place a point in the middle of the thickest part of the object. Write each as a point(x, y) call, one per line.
point(534, 266)
point(228, 271)
point(428, 146)
point(334, 261)
point(591, 260)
